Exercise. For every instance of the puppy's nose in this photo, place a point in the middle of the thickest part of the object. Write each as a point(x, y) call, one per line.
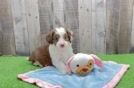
point(62, 45)
point(85, 69)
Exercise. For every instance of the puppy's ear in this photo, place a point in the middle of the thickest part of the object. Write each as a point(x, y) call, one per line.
point(70, 34)
point(49, 37)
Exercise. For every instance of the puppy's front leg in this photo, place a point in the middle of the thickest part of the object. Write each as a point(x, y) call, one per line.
point(61, 67)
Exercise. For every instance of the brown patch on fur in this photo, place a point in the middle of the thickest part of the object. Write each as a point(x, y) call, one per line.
point(49, 37)
point(52, 37)
point(55, 38)
point(41, 55)
point(69, 34)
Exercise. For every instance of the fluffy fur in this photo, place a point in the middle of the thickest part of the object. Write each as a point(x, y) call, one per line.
point(41, 56)
point(57, 52)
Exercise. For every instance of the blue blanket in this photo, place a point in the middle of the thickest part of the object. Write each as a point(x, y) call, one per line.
point(49, 77)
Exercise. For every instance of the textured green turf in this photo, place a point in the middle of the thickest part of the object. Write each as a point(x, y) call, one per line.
point(128, 79)
point(11, 66)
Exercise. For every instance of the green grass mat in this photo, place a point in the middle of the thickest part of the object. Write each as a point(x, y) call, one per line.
point(11, 66)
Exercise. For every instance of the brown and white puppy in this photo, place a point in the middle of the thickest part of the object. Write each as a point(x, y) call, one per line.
point(57, 52)
point(60, 48)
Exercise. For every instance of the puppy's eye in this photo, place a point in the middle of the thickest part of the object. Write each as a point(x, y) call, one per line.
point(77, 65)
point(56, 38)
point(65, 37)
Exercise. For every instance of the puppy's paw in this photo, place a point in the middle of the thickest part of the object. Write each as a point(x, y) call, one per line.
point(64, 72)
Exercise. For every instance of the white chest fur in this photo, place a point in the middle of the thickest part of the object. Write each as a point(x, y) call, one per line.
point(60, 56)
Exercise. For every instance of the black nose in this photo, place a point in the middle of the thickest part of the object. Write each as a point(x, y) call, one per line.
point(62, 45)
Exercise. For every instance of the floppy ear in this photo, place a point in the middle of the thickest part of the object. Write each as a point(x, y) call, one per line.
point(69, 33)
point(49, 37)
point(97, 60)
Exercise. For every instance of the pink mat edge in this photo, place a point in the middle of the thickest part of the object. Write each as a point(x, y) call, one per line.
point(117, 77)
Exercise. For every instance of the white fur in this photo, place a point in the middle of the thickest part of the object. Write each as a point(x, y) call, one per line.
point(60, 55)
point(61, 31)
